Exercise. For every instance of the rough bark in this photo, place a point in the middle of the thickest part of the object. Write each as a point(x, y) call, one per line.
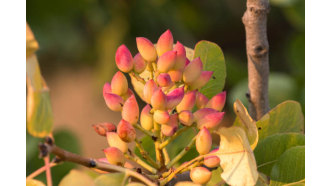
point(257, 49)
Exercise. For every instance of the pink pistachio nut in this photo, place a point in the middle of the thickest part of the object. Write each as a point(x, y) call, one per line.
point(192, 71)
point(146, 118)
point(217, 102)
point(161, 117)
point(146, 49)
point(200, 175)
point(149, 88)
point(181, 56)
point(119, 84)
point(164, 80)
point(158, 100)
point(186, 117)
point(115, 141)
point(166, 61)
point(113, 101)
point(210, 121)
point(164, 43)
point(114, 156)
point(176, 75)
point(124, 59)
point(201, 113)
point(130, 110)
point(201, 100)
point(139, 64)
point(201, 80)
point(171, 127)
point(126, 131)
point(211, 161)
point(187, 102)
point(103, 128)
point(106, 88)
point(174, 97)
point(203, 141)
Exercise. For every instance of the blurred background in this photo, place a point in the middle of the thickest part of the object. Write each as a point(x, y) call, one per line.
point(78, 40)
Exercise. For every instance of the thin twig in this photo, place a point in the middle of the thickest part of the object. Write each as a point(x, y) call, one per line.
point(40, 170)
point(136, 159)
point(166, 156)
point(91, 163)
point(48, 172)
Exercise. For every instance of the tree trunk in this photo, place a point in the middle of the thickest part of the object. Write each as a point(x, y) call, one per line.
point(257, 49)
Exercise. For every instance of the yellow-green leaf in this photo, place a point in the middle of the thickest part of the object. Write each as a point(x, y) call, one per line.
point(33, 182)
point(39, 111)
point(237, 159)
point(77, 178)
point(245, 121)
point(285, 117)
point(31, 43)
point(110, 179)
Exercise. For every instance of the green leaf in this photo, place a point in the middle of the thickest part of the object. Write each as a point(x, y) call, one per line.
point(289, 168)
point(213, 60)
point(77, 178)
point(110, 179)
point(285, 117)
point(216, 178)
point(33, 182)
point(271, 148)
point(39, 111)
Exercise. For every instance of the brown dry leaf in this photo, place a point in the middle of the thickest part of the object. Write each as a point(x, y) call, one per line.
point(237, 158)
point(245, 121)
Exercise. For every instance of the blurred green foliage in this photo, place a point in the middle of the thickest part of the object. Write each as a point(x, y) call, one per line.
point(80, 33)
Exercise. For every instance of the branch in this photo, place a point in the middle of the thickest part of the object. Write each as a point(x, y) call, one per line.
point(257, 49)
point(63, 155)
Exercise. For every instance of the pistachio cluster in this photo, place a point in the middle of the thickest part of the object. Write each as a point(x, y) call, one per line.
point(171, 84)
